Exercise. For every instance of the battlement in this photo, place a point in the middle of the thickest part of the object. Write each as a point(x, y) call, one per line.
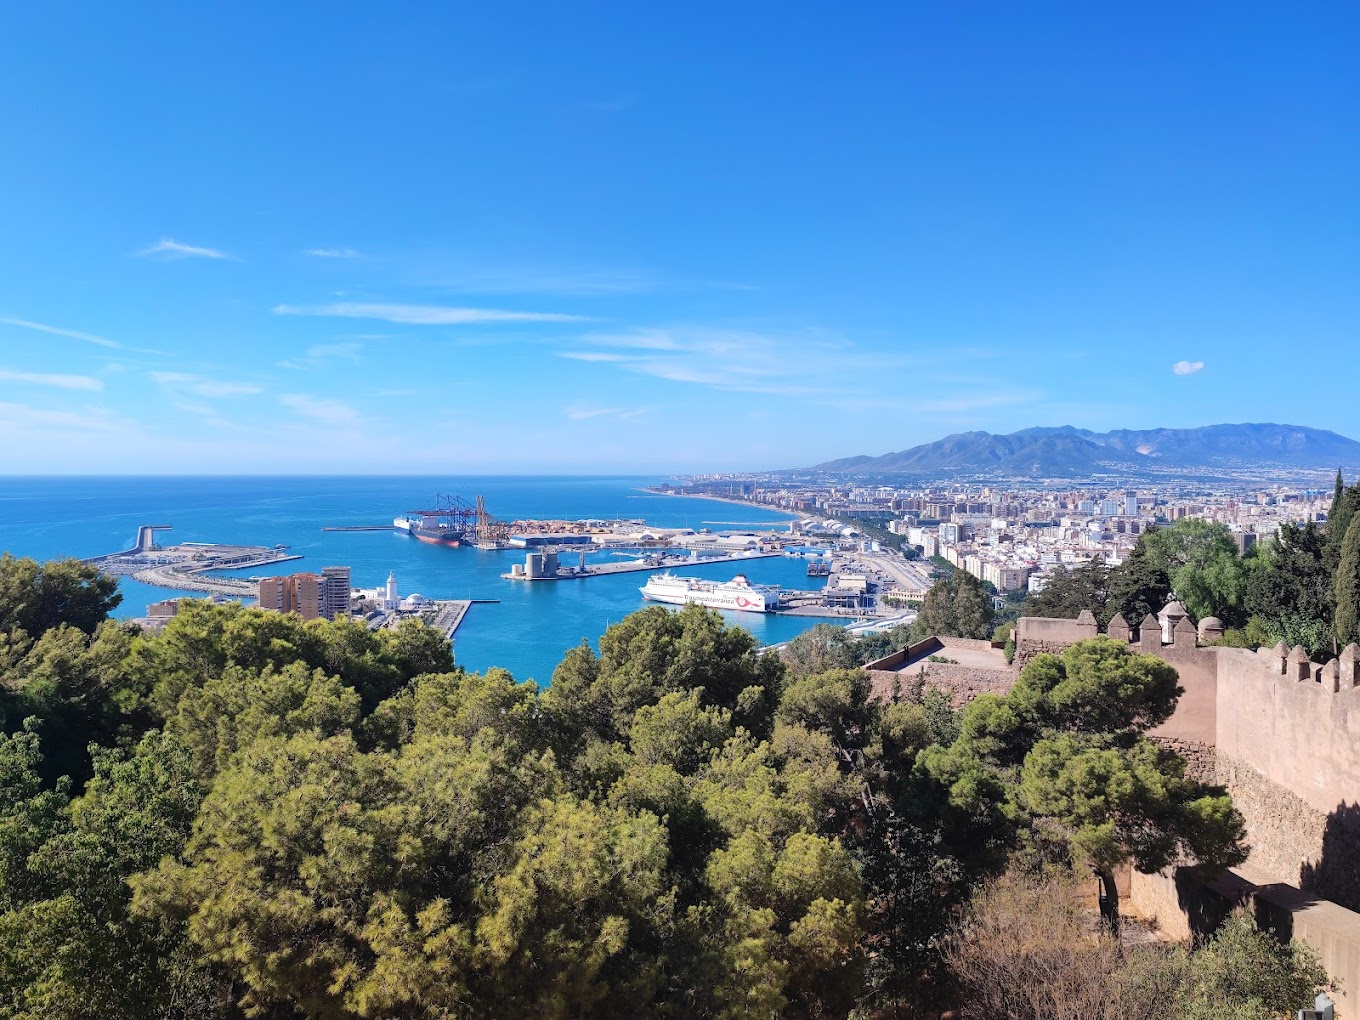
point(1275, 728)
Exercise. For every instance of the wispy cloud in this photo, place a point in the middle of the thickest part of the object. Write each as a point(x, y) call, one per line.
point(333, 253)
point(25, 418)
point(735, 360)
point(541, 280)
point(579, 413)
point(324, 412)
point(184, 382)
point(978, 401)
point(74, 334)
point(168, 248)
point(63, 382)
point(320, 354)
point(1187, 367)
point(596, 356)
point(423, 315)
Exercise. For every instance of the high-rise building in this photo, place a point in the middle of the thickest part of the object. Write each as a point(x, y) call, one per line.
point(335, 591)
point(311, 596)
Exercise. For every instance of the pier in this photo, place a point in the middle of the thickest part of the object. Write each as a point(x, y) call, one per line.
point(187, 567)
point(560, 573)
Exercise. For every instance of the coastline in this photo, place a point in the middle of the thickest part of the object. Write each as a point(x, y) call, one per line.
point(790, 515)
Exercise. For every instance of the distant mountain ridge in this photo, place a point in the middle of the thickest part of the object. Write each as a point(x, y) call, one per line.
point(1068, 451)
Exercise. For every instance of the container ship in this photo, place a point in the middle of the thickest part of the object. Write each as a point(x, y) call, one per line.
point(738, 593)
point(432, 530)
point(454, 522)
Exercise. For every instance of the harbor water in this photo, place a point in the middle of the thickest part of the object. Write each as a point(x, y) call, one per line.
point(526, 632)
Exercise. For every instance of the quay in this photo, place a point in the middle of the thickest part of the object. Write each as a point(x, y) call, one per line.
point(544, 566)
point(444, 615)
point(186, 567)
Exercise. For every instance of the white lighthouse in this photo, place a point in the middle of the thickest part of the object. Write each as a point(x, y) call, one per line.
point(390, 603)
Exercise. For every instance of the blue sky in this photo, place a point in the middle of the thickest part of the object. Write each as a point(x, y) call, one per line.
point(614, 237)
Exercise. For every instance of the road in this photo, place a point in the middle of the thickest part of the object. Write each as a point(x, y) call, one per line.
point(910, 574)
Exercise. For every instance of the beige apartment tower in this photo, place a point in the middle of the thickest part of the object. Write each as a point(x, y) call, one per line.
point(322, 596)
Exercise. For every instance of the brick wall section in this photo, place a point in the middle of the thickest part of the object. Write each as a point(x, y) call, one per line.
point(1201, 760)
point(961, 683)
point(1030, 648)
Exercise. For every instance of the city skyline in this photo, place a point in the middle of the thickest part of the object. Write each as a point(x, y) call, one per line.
point(617, 239)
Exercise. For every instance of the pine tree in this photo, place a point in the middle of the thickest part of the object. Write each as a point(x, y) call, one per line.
point(1348, 587)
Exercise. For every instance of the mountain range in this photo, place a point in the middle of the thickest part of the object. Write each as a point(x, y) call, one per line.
point(1070, 452)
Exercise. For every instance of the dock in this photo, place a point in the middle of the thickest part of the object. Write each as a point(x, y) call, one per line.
point(444, 615)
point(187, 567)
point(574, 573)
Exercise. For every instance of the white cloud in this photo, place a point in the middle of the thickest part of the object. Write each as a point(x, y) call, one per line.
point(64, 382)
point(169, 248)
point(22, 418)
point(579, 413)
point(1187, 367)
point(203, 387)
point(479, 279)
point(324, 412)
point(979, 401)
point(423, 315)
point(333, 253)
point(74, 334)
point(597, 356)
point(734, 360)
point(320, 354)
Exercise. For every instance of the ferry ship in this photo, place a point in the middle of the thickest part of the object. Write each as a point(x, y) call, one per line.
point(738, 593)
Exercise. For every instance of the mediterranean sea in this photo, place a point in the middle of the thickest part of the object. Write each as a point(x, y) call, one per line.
point(527, 632)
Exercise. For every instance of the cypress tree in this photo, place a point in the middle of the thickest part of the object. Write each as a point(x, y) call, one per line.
point(1338, 521)
point(1347, 621)
point(1340, 487)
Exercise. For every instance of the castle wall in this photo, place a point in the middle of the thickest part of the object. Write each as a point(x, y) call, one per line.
point(1195, 720)
point(1282, 734)
point(1300, 734)
point(1035, 635)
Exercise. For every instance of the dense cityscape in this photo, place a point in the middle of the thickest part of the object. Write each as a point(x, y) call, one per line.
point(1013, 537)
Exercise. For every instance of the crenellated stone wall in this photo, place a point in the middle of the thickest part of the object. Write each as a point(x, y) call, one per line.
point(1282, 734)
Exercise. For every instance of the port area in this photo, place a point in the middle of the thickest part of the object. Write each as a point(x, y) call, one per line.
point(187, 567)
point(545, 566)
point(444, 615)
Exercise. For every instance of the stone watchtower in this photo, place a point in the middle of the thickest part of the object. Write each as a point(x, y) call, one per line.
point(1210, 630)
point(1172, 613)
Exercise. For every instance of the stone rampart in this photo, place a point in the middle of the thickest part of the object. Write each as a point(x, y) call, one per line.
point(1035, 635)
point(961, 683)
point(1281, 733)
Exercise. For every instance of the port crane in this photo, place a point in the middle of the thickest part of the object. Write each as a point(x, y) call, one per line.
point(470, 523)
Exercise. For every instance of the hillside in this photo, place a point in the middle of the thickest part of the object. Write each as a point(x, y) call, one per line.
point(1068, 451)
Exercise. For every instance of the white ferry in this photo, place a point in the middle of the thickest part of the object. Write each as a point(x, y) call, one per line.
point(738, 593)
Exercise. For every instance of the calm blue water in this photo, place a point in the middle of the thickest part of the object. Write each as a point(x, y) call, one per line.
point(526, 633)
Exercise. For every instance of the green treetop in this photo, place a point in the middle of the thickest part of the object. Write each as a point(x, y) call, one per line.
point(1347, 626)
point(1064, 759)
